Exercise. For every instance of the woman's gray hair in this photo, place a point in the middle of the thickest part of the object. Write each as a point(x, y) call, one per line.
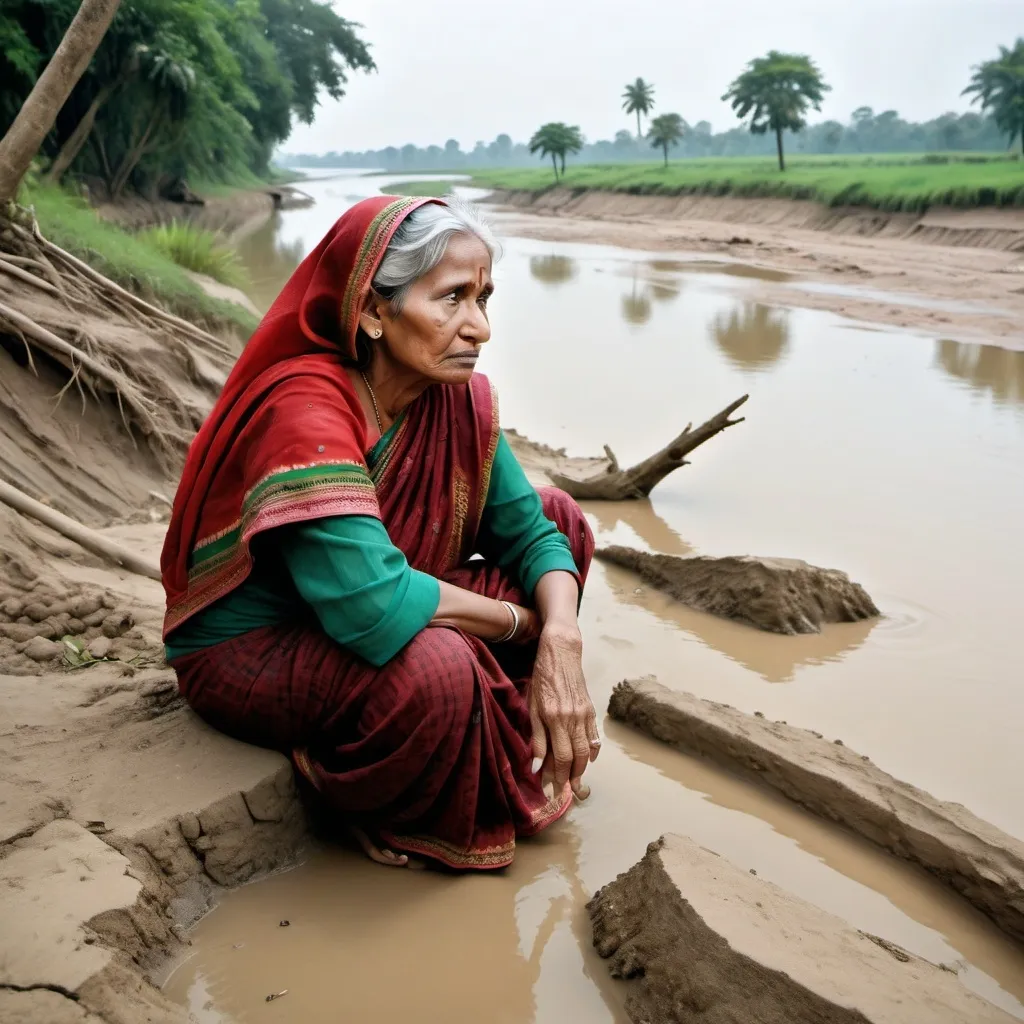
point(420, 242)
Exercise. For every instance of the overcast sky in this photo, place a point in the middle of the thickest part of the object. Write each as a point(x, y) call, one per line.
point(470, 69)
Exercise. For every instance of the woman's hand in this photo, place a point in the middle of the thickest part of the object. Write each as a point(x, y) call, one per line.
point(564, 724)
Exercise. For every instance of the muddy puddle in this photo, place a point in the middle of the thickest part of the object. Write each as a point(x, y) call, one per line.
point(895, 457)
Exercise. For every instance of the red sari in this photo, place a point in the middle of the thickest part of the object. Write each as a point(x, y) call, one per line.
point(432, 750)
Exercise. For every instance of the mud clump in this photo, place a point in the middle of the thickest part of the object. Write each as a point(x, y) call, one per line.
point(707, 941)
point(778, 595)
point(37, 621)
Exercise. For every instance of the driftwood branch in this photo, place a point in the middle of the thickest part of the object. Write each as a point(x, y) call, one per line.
point(616, 484)
point(81, 535)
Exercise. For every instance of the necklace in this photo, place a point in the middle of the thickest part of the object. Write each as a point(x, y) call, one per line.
point(373, 398)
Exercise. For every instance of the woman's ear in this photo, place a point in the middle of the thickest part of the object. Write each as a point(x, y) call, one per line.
point(370, 319)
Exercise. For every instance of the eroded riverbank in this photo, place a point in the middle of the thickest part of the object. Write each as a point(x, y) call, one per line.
point(836, 464)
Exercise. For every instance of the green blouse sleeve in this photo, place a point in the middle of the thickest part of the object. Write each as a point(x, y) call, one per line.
point(362, 589)
point(514, 532)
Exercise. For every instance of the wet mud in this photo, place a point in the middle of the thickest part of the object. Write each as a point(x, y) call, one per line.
point(778, 595)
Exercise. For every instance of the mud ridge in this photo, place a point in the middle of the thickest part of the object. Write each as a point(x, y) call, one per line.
point(997, 229)
point(978, 860)
point(705, 941)
point(778, 595)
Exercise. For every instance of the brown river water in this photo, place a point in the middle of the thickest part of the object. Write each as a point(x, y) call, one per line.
point(896, 457)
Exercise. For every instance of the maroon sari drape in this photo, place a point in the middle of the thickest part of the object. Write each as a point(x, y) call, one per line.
point(432, 750)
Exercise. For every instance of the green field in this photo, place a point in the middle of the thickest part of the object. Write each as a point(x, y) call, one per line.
point(437, 187)
point(128, 259)
point(886, 182)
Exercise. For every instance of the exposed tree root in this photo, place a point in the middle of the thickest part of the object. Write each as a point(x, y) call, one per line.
point(112, 344)
point(615, 484)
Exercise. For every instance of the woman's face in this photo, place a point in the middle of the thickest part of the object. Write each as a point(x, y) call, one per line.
point(443, 322)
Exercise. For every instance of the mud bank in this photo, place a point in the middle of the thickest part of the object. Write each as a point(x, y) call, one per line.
point(979, 229)
point(981, 862)
point(121, 816)
point(236, 214)
point(954, 274)
point(707, 941)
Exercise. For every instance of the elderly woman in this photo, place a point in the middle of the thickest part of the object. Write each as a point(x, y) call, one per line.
point(358, 572)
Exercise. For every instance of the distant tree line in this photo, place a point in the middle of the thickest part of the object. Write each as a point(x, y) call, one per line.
point(865, 132)
point(773, 96)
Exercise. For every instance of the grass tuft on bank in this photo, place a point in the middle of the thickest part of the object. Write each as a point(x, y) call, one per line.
point(133, 261)
point(437, 187)
point(889, 182)
point(197, 249)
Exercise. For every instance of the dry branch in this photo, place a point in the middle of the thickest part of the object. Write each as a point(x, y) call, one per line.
point(81, 535)
point(616, 484)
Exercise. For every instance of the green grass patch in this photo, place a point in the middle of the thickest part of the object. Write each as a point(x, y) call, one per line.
point(890, 182)
point(130, 260)
point(197, 249)
point(437, 187)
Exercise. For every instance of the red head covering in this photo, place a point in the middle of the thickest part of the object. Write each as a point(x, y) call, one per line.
point(286, 440)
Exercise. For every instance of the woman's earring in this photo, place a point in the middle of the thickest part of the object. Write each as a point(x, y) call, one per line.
point(377, 332)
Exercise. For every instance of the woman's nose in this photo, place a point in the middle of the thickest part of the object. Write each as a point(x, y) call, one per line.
point(477, 327)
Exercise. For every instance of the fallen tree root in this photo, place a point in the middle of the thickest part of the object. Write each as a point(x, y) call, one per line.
point(81, 535)
point(617, 484)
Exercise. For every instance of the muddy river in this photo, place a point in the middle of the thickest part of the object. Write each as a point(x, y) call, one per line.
point(896, 457)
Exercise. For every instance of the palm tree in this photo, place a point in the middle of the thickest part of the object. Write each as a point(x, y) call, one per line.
point(555, 139)
point(776, 92)
point(667, 130)
point(572, 142)
point(638, 99)
point(548, 140)
point(999, 86)
point(35, 119)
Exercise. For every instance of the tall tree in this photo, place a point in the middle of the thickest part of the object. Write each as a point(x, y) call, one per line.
point(999, 86)
point(572, 142)
point(550, 140)
point(638, 99)
point(667, 130)
point(776, 92)
point(35, 119)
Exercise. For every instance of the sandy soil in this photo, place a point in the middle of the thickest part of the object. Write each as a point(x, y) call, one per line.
point(905, 272)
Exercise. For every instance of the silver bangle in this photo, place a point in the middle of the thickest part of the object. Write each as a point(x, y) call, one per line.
point(505, 637)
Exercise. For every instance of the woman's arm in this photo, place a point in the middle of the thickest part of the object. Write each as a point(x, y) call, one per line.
point(565, 738)
point(481, 616)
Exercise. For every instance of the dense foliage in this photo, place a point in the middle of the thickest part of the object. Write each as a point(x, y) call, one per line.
point(638, 99)
point(204, 89)
point(998, 85)
point(775, 93)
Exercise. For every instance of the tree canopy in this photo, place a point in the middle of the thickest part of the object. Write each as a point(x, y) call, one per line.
point(206, 88)
point(775, 92)
point(998, 85)
point(667, 130)
point(638, 99)
point(555, 139)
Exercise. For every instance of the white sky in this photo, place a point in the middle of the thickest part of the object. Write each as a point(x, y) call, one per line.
point(470, 69)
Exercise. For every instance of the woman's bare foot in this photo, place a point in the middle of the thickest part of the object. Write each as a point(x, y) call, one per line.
point(378, 854)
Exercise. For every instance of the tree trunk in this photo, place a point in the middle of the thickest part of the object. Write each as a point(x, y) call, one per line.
point(778, 145)
point(561, 157)
point(665, 148)
point(20, 145)
point(78, 138)
point(639, 131)
point(616, 484)
point(134, 155)
point(554, 163)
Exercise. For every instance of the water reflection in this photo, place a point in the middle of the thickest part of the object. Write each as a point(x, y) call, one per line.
point(773, 657)
point(269, 261)
point(636, 306)
point(744, 270)
point(998, 372)
point(641, 518)
point(752, 336)
point(553, 270)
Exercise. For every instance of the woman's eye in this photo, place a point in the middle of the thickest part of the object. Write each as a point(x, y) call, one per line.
point(482, 301)
point(452, 297)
